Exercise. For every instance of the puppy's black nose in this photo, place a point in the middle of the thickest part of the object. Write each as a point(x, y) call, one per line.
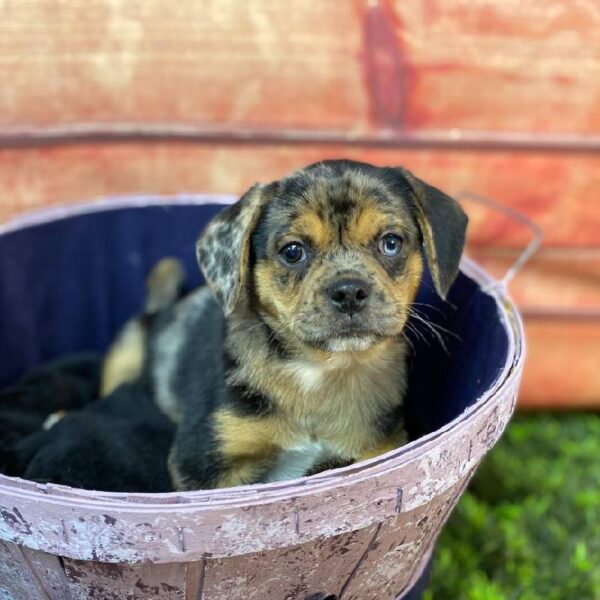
point(349, 296)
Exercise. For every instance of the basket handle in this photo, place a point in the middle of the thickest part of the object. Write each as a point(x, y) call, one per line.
point(529, 250)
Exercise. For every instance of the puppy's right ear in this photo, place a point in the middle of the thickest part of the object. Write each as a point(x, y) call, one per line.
point(223, 248)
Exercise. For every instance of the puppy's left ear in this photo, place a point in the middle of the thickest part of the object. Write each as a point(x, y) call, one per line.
point(223, 249)
point(443, 225)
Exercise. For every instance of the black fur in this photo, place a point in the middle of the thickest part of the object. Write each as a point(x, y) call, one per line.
point(436, 211)
point(119, 443)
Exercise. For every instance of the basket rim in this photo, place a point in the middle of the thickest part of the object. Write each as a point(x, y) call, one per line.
point(245, 496)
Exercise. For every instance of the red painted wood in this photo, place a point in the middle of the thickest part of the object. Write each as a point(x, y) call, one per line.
point(562, 366)
point(519, 66)
point(261, 62)
point(556, 281)
point(364, 65)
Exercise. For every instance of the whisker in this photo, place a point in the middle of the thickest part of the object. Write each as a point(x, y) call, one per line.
point(434, 332)
point(437, 326)
point(418, 334)
point(436, 308)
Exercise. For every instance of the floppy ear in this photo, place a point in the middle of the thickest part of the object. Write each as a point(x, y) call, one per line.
point(223, 249)
point(443, 224)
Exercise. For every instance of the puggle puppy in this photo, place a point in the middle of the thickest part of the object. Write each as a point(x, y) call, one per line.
point(292, 359)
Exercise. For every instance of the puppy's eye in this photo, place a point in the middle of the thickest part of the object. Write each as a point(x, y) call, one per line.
point(293, 253)
point(390, 244)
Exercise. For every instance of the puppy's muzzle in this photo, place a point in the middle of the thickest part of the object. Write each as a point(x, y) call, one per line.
point(349, 296)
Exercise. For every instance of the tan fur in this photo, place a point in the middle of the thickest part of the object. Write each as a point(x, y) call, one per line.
point(280, 301)
point(163, 283)
point(397, 439)
point(248, 446)
point(405, 290)
point(322, 395)
point(244, 436)
point(124, 361)
point(243, 472)
point(310, 226)
point(369, 223)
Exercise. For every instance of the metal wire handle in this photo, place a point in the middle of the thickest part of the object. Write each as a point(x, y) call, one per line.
point(529, 250)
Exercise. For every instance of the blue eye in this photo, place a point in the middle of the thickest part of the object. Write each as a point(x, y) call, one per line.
point(293, 253)
point(390, 244)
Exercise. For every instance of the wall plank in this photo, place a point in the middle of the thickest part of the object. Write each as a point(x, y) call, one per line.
point(516, 66)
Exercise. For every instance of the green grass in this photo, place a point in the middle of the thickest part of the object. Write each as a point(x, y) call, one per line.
point(528, 528)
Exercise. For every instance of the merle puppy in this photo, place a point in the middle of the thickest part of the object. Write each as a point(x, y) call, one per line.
point(293, 357)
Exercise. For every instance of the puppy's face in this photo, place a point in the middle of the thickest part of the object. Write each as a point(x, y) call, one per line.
point(336, 259)
point(331, 256)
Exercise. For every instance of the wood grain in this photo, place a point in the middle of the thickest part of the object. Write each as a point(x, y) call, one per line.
point(255, 62)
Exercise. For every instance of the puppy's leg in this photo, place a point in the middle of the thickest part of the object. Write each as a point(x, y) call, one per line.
point(231, 450)
point(125, 358)
point(221, 473)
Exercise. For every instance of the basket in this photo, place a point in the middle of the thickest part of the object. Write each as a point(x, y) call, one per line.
point(363, 532)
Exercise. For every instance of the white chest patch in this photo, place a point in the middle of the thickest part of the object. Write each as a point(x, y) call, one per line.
point(296, 461)
point(308, 375)
point(311, 375)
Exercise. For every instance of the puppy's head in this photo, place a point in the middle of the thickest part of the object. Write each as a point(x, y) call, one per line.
point(332, 254)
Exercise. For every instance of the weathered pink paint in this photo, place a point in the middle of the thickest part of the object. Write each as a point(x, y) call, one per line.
point(363, 532)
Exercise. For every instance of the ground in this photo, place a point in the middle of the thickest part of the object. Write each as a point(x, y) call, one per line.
point(528, 528)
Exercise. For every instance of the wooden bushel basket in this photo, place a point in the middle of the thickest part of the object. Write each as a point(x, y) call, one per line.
point(364, 532)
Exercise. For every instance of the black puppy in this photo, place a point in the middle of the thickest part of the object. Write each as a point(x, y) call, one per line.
point(294, 355)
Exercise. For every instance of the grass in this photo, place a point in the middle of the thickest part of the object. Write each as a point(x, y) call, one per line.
point(528, 527)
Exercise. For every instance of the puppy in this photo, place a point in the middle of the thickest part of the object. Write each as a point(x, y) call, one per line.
point(293, 358)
